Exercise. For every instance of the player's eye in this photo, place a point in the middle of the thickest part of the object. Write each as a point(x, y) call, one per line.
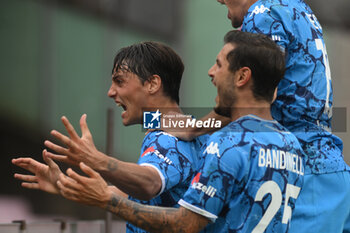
point(118, 80)
point(218, 63)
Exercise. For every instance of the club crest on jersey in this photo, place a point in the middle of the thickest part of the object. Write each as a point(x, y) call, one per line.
point(207, 190)
point(212, 149)
point(259, 10)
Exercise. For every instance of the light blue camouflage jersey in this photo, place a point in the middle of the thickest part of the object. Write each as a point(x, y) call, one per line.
point(251, 177)
point(305, 97)
point(176, 162)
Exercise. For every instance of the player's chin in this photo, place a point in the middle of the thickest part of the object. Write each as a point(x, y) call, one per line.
point(126, 120)
point(236, 23)
point(129, 120)
point(125, 123)
point(217, 101)
point(223, 111)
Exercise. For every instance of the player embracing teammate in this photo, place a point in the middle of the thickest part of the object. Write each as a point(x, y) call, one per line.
point(304, 106)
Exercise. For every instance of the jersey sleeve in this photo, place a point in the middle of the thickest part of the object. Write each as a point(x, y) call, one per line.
point(171, 158)
point(271, 21)
point(213, 186)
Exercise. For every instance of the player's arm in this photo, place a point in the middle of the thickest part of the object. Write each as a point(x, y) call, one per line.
point(156, 219)
point(117, 191)
point(139, 181)
point(200, 131)
point(93, 190)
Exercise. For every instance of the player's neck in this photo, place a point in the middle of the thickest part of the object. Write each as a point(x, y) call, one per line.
point(164, 105)
point(258, 108)
point(249, 3)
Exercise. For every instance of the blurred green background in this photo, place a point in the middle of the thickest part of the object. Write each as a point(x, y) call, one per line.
point(56, 59)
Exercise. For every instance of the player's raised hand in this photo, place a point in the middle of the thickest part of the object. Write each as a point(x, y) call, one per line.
point(91, 190)
point(45, 175)
point(78, 149)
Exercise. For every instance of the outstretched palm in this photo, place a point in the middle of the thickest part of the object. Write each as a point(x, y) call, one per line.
point(45, 176)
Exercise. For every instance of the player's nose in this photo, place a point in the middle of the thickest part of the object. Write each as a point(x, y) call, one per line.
point(112, 92)
point(211, 72)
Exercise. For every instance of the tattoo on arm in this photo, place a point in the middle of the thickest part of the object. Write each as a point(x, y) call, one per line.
point(112, 165)
point(156, 219)
point(113, 202)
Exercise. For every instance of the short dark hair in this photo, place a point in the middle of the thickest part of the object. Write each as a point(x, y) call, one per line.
point(262, 55)
point(152, 58)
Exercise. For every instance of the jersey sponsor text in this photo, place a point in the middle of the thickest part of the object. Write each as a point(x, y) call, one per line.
point(157, 153)
point(208, 190)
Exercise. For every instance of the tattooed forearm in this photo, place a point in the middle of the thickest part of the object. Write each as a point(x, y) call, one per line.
point(113, 202)
point(156, 219)
point(112, 165)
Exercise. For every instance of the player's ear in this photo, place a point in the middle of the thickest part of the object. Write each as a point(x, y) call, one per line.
point(244, 75)
point(154, 83)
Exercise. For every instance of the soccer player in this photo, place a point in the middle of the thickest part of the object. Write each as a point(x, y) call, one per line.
point(145, 75)
point(304, 106)
point(253, 168)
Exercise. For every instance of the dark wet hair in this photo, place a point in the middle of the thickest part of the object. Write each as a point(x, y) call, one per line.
point(152, 58)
